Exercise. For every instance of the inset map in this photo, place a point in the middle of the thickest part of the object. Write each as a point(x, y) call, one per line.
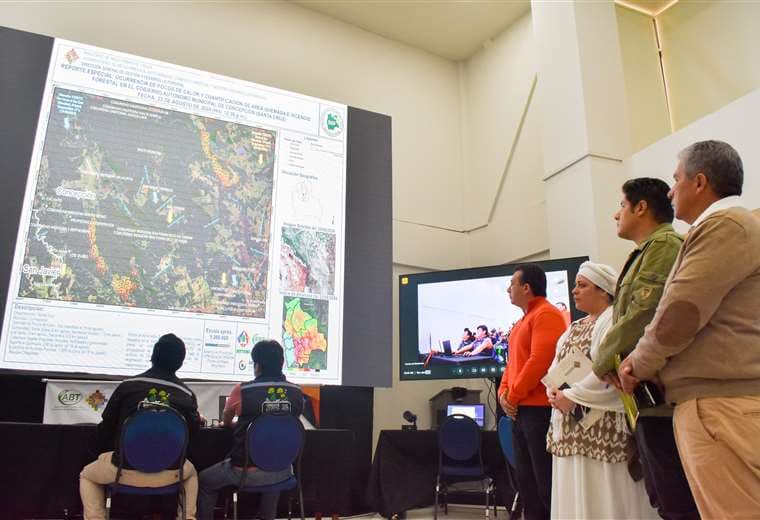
point(305, 332)
point(307, 261)
point(309, 200)
point(141, 206)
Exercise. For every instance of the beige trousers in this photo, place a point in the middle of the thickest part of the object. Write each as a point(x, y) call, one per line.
point(719, 442)
point(95, 475)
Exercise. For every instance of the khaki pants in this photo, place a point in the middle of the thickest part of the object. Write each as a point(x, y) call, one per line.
point(95, 475)
point(717, 439)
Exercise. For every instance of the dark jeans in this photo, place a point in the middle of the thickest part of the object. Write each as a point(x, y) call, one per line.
point(221, 475)
point(664, 478)
point(533, 464)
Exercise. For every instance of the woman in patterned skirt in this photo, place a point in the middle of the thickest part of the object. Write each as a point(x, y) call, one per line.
point(588, 434)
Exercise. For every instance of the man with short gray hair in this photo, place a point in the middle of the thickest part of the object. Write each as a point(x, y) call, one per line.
point(704, 340)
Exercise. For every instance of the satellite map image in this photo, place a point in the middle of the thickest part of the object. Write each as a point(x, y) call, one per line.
point(307, 261)
point(145, 207)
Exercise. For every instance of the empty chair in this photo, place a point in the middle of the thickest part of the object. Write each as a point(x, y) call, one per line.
point(460, 459)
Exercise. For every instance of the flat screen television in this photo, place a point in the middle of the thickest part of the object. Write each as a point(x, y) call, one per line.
point(436, 307)
point(476, 412)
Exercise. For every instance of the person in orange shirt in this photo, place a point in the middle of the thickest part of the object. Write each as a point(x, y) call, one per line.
point(522, 396)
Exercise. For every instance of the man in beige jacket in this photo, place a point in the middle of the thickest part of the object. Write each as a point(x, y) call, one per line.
point(704, 340)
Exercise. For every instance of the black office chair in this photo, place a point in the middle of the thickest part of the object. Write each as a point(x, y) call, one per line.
point(153, 439)
point(460, 459)
point(274, 442)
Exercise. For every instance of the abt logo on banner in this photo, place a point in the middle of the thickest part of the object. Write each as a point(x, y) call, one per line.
point(69, 397)
point(71, 402)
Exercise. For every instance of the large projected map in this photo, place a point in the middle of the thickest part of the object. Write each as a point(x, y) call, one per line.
point(124, 216)
point(165, 199)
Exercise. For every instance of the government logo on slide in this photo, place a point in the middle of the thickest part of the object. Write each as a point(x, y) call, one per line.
point(332, 122)
point(69, 397)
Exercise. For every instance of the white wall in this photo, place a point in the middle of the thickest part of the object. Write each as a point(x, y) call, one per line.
point(710, 53)
point(644, 86)
point(738, 124)
point(497, 82)
point(518, 227)
point(502, 172)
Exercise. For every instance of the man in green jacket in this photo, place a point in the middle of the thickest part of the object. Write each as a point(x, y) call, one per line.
point(645, 217)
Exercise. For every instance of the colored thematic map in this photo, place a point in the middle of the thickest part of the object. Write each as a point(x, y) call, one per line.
point(305, 333)
point(140, 206)
point(307, 261)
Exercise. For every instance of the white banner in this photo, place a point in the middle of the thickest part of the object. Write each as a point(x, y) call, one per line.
point(71, 401)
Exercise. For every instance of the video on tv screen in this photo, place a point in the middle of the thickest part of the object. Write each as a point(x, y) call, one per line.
point(455, 324)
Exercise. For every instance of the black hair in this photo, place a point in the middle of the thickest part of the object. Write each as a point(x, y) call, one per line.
point(654, 192)
point(483, 328)
point(168, 353)
point(268, 354)
point(534, 276)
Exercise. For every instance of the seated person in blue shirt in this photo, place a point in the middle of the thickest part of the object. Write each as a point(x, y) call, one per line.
point(482, 344)
point(161, 385)
point(246, 402)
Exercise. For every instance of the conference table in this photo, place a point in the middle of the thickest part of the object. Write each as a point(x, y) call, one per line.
point(405, 466)
point(41, 465)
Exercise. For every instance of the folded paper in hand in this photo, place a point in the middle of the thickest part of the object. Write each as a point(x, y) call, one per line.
point(574, 367)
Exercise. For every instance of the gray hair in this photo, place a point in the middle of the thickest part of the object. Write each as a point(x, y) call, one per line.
point(719, 162)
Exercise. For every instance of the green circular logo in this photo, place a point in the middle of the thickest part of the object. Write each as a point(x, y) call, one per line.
point(332, 122)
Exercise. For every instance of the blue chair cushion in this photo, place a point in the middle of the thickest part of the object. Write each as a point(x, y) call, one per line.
point(153, 441)
point(289, 483)
point(459, 438)
point(132, 490)
point(505, 439)
point(461, 471)
point(274, 441)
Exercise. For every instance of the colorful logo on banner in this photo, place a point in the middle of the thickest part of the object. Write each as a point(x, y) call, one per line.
point(332, 122)
point(243, 339)
point(96, 400)
point(72, 56)
point(69, 397)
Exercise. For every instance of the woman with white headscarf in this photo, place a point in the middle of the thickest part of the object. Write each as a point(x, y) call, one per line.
point(588, 435)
